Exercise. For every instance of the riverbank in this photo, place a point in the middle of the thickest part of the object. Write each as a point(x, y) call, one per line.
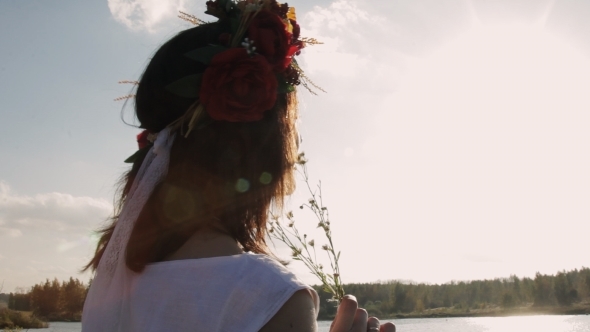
point(497, 311)
point(10, 319)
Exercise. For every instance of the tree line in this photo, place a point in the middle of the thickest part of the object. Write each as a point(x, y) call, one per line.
point(397, 297)
point(52, 300)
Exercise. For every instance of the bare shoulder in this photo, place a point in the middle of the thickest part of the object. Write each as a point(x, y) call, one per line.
point(297, 314)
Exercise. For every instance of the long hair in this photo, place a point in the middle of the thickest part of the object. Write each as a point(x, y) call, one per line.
point(224, 175)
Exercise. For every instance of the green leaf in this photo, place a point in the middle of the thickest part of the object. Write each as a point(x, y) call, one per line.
point(205, 54)
point(131, 159)
point(137, 153)
point(287, 88)
point(284, 87)
point(187, 86)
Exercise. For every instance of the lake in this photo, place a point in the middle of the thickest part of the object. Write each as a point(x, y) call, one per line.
point(479, 324)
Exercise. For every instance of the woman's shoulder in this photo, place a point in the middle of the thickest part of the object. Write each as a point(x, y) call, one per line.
point(266, 262)
point(267, 265)
point(298, 313)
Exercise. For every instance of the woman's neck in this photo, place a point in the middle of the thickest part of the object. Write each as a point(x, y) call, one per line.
point(206, 243)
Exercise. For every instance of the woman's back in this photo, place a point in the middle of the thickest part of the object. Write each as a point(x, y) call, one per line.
point(227, 293)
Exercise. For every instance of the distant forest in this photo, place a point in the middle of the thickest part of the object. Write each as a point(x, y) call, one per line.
point(464, 298)
point(54, 300)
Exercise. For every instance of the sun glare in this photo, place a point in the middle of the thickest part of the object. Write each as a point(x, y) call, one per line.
point(505, 67)
point(486, 134)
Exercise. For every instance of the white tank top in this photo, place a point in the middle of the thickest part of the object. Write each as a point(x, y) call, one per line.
point(230, 293)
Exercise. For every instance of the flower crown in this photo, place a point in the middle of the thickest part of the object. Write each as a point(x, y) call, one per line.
point(249, 66)
point(246, 68)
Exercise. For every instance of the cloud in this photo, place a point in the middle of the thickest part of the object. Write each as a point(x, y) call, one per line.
point(145, 14)
point(338, 26)
point(10, 232)
point(53, 211)
point(47, 235)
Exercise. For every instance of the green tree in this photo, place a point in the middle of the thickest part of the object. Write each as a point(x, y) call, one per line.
point(73, 295)
point(564, 292)
point(543, 290)
point(20, 301)
point(508, 301)
point(45, 299)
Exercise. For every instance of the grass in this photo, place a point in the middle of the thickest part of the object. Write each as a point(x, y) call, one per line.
point(11, 320)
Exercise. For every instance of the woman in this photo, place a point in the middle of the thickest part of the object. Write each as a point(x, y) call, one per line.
point(186, 250)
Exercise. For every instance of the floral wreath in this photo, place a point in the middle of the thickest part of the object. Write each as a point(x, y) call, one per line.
point(246, 69)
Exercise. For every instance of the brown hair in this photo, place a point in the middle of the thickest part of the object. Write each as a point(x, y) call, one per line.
point(224, 175)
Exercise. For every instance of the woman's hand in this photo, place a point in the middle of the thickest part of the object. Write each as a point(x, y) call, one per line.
point(351, 318)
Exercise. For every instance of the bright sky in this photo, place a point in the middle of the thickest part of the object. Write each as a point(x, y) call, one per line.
point(452, 144)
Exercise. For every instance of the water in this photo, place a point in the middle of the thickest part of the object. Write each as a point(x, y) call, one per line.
point(491, 324)
point(61, 327)
point(479, 324)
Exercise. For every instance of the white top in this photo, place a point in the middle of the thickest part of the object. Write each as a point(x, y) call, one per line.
point(228, 293)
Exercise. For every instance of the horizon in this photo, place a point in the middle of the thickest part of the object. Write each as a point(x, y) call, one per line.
point(382, 282)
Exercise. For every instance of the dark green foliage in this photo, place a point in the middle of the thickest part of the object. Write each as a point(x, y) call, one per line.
point(73, 296)
point(398, 297)
point(544, 295)
point(19, 301)
point(46, 298)
point(565, 293)
point(508, 301)
point(12, 319)
point(53, 300)
point(187, 87)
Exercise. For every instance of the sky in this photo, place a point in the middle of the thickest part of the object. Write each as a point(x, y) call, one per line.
point(452, 142)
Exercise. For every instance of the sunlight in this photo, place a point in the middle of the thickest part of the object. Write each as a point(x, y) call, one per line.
point(526, 323)
point(504, 67)
point(486, 133)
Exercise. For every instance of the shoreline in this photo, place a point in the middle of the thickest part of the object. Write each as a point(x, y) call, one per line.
point(527, 310)
point(445, 312)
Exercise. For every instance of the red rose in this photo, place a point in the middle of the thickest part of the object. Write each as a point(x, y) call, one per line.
point(271, 39)
point(142, 139)
point(237, 87)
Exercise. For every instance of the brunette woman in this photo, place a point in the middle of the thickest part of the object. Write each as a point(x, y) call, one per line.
point(186, 249)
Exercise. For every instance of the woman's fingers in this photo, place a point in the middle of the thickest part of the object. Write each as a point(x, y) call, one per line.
point(346, 314)
point(387, 327)
point(351, 318)
point(373, 324)
point(360, 321)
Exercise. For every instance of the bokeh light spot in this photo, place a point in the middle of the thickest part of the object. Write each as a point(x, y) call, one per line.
point(242, 185)
point(265, 178)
